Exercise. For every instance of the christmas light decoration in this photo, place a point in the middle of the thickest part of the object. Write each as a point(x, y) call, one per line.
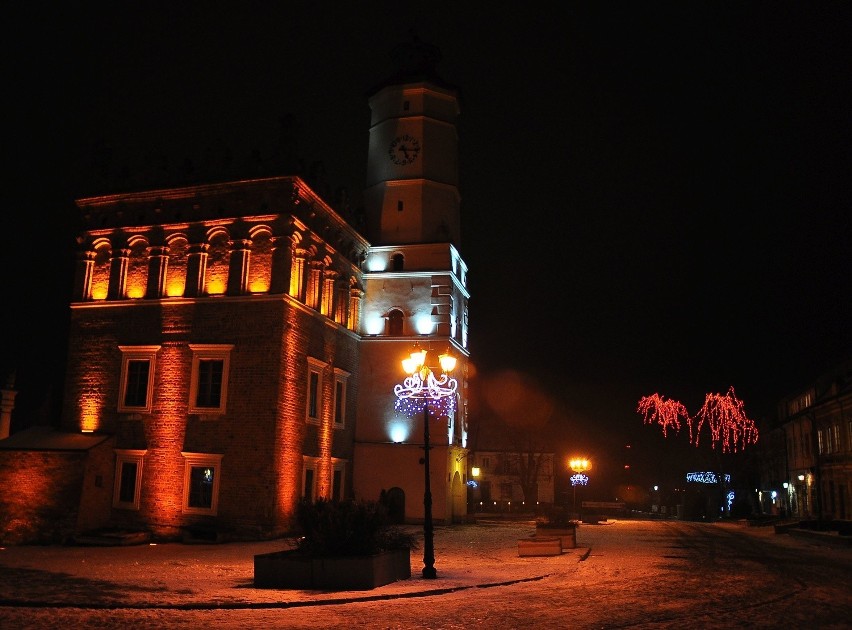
point(706, 477)
point(666, 413)
point(579, 480)
point(724, 415)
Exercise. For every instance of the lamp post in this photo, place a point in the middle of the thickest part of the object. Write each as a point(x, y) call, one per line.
point(422, 387)
point(579, 465)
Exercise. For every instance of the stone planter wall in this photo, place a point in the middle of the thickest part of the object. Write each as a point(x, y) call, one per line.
point(290, 569)
point(568, 535)
point(540, 546)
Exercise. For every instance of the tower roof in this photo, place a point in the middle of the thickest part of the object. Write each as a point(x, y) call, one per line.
point(415, 61)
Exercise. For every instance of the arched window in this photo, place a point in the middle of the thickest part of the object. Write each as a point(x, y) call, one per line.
point(398, 262)
point(395, 322)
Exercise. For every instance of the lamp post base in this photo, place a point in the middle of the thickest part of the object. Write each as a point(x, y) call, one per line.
point(430, 573)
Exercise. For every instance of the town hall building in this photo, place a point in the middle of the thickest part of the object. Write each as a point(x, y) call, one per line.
point(234, 346)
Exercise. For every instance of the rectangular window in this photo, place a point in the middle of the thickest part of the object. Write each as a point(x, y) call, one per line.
point(201, 483)
point(136, 388)
point(128, 479)
point(127, 483)
point(209, 392)
point(136, 392)
point(340, 380)
point(308, 483)
point(337, 485)
point(313, 395)
point(314, 399)
point(209, 380)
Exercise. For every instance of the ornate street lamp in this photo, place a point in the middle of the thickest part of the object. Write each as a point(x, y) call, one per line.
point(579, 465)
point(422, 388)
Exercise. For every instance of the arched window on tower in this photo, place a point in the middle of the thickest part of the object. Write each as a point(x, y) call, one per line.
point(395, 322)
point(398, 262)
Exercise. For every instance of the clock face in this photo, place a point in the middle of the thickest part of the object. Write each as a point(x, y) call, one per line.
point(404, 149)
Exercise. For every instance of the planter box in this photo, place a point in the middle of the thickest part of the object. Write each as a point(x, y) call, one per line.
point(568, 535)
point(540, 546)
point(291, 569)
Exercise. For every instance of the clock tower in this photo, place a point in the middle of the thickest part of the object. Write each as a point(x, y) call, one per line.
point(415, 293)
point(412, 193)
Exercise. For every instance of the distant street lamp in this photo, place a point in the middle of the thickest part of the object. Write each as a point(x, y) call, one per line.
point(422, 387)
point(579, 465)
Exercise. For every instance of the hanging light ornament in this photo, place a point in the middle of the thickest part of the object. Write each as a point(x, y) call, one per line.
point(724, 415)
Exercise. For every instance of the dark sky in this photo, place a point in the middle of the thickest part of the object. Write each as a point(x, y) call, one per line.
point(654, 198)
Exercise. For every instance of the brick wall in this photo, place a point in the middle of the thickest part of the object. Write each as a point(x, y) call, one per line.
point(41, 495)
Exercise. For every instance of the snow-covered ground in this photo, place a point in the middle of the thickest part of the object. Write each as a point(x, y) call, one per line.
point(623, 573)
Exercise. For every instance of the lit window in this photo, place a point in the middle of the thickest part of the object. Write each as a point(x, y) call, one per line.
point(128, 479)
point(136, 388)
point(340, 379)
point(201, 483)
point(209, 384)
point(313, 409)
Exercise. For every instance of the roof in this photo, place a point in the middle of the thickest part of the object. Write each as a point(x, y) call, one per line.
point(45, 438)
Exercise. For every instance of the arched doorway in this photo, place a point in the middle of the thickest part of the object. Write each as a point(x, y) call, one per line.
point(459, 495)
point(395, 504)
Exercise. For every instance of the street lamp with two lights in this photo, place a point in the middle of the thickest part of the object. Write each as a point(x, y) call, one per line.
point(423, 387)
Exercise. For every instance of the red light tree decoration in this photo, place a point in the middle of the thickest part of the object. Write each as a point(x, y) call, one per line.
point(723, 414)
point(666, 413)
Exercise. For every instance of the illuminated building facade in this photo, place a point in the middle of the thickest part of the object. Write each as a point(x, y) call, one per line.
point(415, 290)
point(817, 425)
point(233, 346)
point(500, 473)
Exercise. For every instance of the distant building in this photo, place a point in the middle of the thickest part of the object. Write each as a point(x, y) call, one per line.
point(817, 425)
point(500, 477)
point(233, 347)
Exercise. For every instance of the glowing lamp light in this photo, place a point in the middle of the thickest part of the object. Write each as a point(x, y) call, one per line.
point(801, 477)
point(374, 324)
point(447, 361)
point(474, 471)
point(216, 287)
point(579, 464)
point(399, 432)
point(377, 263)
point(259, 286)
point(424, 324)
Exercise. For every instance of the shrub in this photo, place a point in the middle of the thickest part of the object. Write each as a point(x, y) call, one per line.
point(557, 518)
point(347, 528)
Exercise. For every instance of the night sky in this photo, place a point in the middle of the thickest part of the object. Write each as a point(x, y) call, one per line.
point(654, 198)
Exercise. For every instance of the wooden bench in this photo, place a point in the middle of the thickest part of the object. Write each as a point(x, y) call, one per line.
point(540, 546)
